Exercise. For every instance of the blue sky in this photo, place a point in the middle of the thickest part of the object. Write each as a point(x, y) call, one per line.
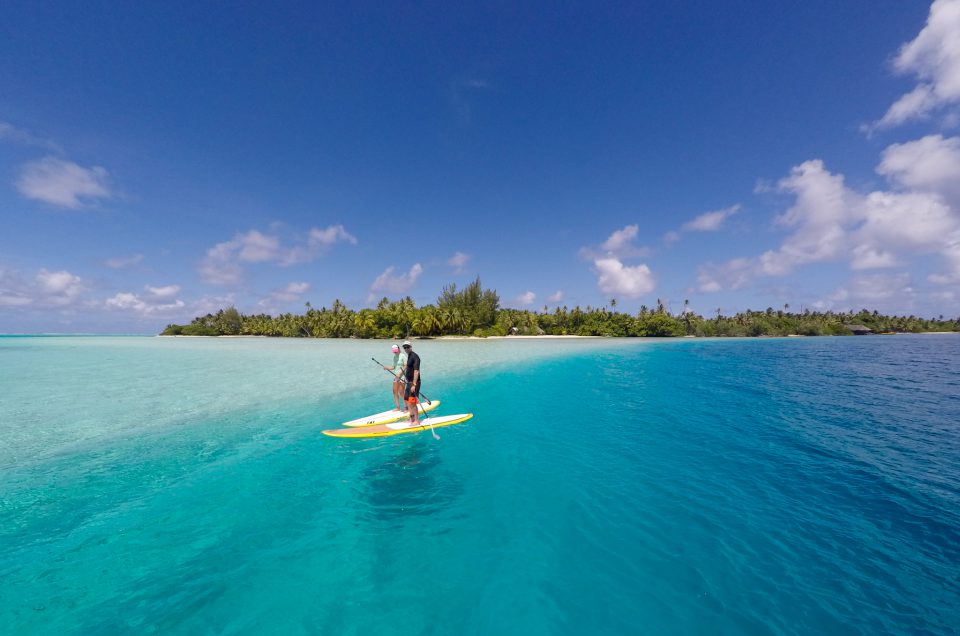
point(162, 160)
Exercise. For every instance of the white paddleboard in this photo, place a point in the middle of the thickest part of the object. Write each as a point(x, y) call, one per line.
point(399, 428)
point(393, 415)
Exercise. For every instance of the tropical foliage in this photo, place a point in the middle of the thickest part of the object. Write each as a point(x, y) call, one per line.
point(476, 311)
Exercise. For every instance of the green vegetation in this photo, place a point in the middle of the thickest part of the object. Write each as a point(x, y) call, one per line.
point(476, 311)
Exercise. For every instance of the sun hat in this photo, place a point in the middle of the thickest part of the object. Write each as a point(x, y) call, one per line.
point(406, 343)
point(395, 348)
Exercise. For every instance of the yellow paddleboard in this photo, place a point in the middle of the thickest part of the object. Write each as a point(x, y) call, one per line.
point(393, 415)
point(384, 430)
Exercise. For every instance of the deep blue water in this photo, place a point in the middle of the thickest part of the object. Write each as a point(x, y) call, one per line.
point(788, 486)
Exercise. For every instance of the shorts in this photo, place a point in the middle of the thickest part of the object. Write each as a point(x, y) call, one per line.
point(411, 393)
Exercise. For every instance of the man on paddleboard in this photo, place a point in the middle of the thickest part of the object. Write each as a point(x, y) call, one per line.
point(399, 362)
point(411, 392)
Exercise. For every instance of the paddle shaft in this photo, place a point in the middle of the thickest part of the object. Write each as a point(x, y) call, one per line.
point(429, 401)
point(423, 410)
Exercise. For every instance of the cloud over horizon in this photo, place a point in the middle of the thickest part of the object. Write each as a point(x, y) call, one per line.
point(831, 222)
point(388, 283)
point(223, 263)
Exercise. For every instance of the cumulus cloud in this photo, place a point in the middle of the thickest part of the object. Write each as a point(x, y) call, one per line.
point(388, 283)
point(63, 183)
point(831, 222)
point(622, 280)
point(329, 236)
point(613, 276)
point(930, 164)
point(145, 305)
point(47, 288)
point(525, 299)
point(59, 288)
point(220, 265)
point(620, 244)
point(123, 262)
point(458, 261)
point(934, 58)
point(556, 297)
point(620, 239)
point(823, 207)
point(223, 263)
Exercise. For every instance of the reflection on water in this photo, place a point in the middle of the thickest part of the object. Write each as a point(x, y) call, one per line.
point(411, 481)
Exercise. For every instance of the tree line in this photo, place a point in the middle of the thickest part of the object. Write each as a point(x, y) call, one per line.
point(474, 311)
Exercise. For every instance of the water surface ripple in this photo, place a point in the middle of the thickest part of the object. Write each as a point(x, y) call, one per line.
point(767, 486)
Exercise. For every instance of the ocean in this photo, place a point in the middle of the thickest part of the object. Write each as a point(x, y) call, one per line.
point(604, 486)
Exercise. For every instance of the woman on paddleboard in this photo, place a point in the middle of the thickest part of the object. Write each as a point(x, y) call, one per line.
point(399, 362)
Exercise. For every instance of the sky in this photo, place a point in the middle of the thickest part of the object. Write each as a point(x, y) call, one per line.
point(159, 161)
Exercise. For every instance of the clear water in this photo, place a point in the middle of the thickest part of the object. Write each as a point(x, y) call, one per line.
point(181, 486)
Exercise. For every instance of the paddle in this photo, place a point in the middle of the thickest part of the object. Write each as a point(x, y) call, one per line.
point(422, 410)
point(429, 401)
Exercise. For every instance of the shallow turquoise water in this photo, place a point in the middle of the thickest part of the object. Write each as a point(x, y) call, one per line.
point(796, 486)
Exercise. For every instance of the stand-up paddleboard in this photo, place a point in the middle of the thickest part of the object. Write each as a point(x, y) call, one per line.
point(384, 430)
point(393, 415)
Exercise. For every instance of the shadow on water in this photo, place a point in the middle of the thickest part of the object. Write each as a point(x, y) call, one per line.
point(410, 482)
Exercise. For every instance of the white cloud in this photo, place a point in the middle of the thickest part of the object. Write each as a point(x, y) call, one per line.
point(934, 58)
point(219, 266)
point(142, 305)
point(822, 209)
point(619, 279)
point(222, 264)
point(910, 222)
point(162, 293)
point(387, 283)
point(525, 299)
point(157, 301)
point(620, 239)
point(930, 164)
point(59, 288)
point(255, 247)
point(830, 222)
point(458, 261)
point(710, 221)
point(123, 262)
point(333, 234)
point(620, 244)
point(555, 297)
point(54, 289)
point(62, 183)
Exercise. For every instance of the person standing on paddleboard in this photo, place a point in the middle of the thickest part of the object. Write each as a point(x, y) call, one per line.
point(412, 376)
point(399, 362)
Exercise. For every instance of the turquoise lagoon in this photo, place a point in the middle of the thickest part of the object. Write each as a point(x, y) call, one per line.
point(767, 486)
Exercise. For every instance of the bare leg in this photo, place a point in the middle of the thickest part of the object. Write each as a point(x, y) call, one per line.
point(397, 394)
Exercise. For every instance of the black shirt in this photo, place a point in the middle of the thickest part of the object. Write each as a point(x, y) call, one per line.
point(413, 362)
